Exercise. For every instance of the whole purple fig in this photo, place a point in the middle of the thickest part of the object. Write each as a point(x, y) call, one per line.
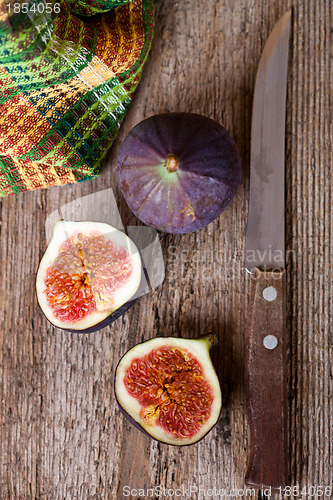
point(178, 171)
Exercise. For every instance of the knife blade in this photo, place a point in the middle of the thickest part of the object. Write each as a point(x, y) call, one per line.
point(265, 363)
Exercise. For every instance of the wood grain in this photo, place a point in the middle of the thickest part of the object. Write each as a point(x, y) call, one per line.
point(62, 436)
point(266, 391)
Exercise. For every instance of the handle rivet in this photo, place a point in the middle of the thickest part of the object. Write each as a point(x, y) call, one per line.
point(269, 293)
point(270, 342)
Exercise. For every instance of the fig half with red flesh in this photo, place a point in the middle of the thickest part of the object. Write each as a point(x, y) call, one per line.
point(169, 389)
point(178, 171)
point(88, 275)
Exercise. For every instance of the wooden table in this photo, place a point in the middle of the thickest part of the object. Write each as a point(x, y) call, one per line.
point(62, 435)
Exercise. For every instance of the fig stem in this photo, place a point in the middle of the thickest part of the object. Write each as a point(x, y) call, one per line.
point(171, 163)
point(210, 339)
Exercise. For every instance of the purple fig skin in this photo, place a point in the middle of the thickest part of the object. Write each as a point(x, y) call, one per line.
point(107, 321)
point(138, 426)
point(198, 186)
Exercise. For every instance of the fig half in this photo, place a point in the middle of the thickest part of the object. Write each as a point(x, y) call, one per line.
point(88, 275)
point(178, 171)
point(169, 389)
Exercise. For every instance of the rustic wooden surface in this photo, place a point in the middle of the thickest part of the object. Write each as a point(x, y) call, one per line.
point(61, 434)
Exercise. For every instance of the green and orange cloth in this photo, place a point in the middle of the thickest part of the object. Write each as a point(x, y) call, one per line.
point(66, 81)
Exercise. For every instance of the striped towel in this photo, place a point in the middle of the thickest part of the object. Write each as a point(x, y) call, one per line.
point(66, 80)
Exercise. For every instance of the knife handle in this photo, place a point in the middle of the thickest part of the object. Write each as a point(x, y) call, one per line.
point(266, 380)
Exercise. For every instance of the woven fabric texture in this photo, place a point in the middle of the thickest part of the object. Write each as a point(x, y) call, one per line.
point(66, 81)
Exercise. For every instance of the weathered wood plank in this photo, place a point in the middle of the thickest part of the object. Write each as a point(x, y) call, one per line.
point(61, 433)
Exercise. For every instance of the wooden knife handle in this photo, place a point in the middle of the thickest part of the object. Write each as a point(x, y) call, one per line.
point(266, 380)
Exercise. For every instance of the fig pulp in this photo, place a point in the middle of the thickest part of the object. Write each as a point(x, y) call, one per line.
point(178, 171)
point(169, 389)
point(88, 275)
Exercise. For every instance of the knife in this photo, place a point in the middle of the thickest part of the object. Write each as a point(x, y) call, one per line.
point(265, 363)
